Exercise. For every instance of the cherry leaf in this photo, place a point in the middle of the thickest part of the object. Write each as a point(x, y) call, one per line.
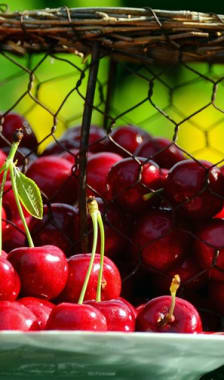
point(29, 194)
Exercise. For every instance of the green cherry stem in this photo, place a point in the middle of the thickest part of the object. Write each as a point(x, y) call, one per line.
point(5, 168)
point(16, 195)
point(93, 211)
point(102, 248)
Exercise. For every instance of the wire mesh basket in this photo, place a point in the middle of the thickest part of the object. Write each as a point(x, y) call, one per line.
point(146, 87)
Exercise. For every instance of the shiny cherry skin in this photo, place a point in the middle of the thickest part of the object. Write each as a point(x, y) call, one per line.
point(118, 315)
point(71, 139)
point(159, 241)
point(163, 151)
point(41, 308)
point(77, 269)
point(186, 317)
point(128, 137)
point(56, 227)
point(98, 167)
point(209, 249)
point(70, 316)
point(9, 281)
point(129, 180)
point(13, 121)
point(43, 270)
point(54, 177)
point(116, 227)
point(196, 188)
point(14, 316)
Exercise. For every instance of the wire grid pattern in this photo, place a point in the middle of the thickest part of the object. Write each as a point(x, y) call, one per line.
point(116, 103)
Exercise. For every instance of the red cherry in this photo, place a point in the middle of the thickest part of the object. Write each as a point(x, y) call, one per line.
point(209, 248)
point(14, 235)
point(14, 316)
point(9, 204)
point(129, 137)
point(69, 316)
point(118, 315)
point(77, 269)
point(196, 188)
point(54, 177)
point(9, 281)
point(161, 243)
point(56, 227)
point(13, 121)
point(43, 270)
point(98, 167)
point(71, 140)
point(163, 151)
point(2, 160)
point(186, 317)
point(41, 308)
point(129, 180)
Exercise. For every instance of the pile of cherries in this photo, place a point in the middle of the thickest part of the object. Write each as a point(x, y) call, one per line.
point(162, 213)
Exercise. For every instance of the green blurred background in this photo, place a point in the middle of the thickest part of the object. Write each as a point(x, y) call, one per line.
point(201, 135)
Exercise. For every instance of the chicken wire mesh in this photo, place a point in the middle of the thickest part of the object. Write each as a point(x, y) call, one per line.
point(76, 105)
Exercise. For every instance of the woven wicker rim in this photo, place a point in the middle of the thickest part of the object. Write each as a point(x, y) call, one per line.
point(149, 34)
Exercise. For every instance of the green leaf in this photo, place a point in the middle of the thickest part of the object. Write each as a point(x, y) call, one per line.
point(29, 194)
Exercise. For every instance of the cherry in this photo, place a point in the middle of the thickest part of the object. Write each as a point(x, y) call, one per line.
point(161, 243)
point(9, 280)
point(77, 269)
point(209, 248)
point(15, 316)
point(196, 188)
point(70, 155)
point(216, 295)
point(56, 227)
point(13, 121)
point(9, 204)
point(163, 151)
point(98, 167)
point(71, 140)
point(169, 314)
point(118, 315)
point(41, 308)
point(14, 235)
point(23, 156)
point(128, 137)
point(43, 270)
point(2, 160)
point(54, 177)
point(69, 316)
point(129, 180)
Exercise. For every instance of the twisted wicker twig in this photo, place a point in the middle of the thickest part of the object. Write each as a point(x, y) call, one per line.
point(153, 34)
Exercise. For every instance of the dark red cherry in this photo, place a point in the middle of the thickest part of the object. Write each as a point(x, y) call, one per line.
point(159, 240)
point(98, 168)
point(195, 188)
point(41, 308)
point(14, 234)
point(128, 137)
point(129, 180)
point(43, 270)
point(70, 316)
point(13, 121)
point(77, 269)
point(118, 315)
point(71, 139)
point(9, 204)
point(163, 151)
point(14, 316)
point(54, 177)
point(151, 317)
point(56, 227)
point(209, 248)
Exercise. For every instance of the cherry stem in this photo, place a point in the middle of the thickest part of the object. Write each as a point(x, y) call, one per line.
point(5, 168)
point(19, 207)
point(148, 196)
point(102, 248)
point(169, 317)
point(93, 211)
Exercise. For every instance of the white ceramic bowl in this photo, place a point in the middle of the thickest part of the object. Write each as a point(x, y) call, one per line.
point(87, 355)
